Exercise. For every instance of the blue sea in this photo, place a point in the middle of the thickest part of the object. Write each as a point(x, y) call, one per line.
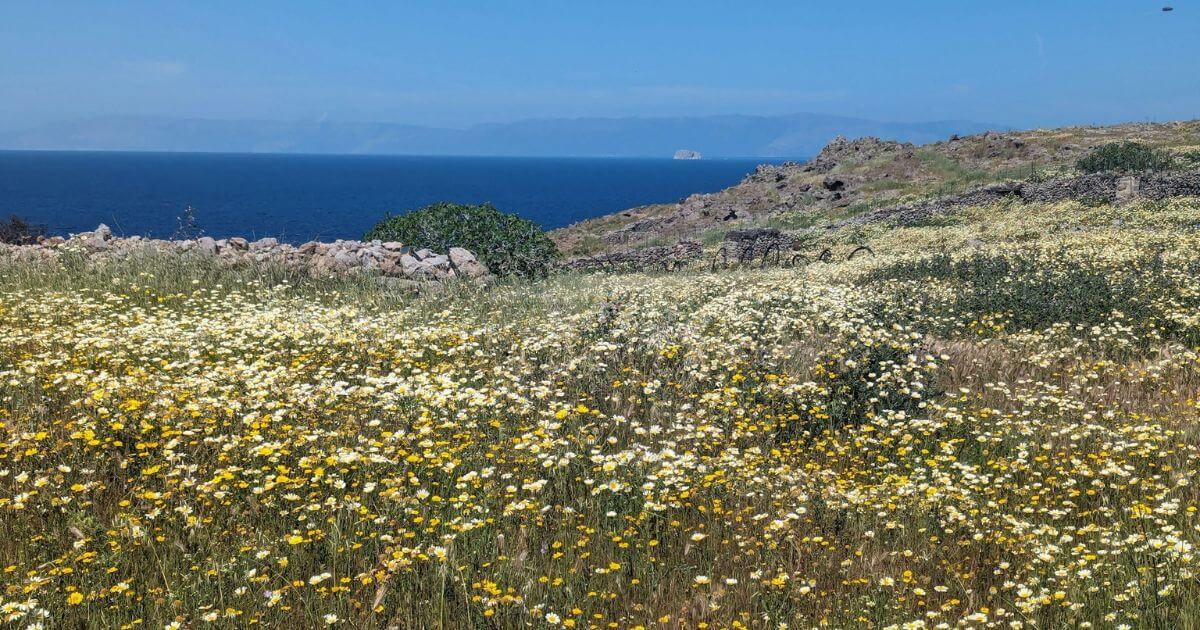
point(304, 197)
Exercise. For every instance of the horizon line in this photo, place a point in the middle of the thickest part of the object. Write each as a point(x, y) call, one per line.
point(705, 158)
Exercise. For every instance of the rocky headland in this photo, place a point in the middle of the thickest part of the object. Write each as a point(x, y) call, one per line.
point(850, 177)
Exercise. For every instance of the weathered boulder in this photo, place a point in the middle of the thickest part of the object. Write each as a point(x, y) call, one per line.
point(391, 267)
point(334, 262)
point(409, 264)
point(95, 241)
point(98, 238)
point(206, 245)
point(437, 260)
point(465, 264)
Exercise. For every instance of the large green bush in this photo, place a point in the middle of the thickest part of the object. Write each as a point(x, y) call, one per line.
point(1125, 157)
point(506, 243)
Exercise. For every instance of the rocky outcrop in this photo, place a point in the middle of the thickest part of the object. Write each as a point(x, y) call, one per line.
point(687, 154)
point(841, 150)
point(772, 174)
point(390, 259)
point(663, 257)
point(770, 189)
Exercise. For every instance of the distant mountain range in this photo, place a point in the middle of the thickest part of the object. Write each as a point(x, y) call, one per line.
point(793, 135)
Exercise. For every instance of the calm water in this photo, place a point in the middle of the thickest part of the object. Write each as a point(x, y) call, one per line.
point(303, 197)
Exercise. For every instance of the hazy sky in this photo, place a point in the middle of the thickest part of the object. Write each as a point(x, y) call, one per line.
point(1012, 62)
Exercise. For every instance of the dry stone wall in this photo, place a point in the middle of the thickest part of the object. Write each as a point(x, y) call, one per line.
point(742, 246)
point(1097, 187)
point(667, 257)
point(394, 260)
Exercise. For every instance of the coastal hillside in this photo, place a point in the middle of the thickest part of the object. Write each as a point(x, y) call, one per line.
point(849, 177)
point(987, 419)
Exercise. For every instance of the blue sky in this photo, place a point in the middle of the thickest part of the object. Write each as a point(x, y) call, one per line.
point(1020, 63)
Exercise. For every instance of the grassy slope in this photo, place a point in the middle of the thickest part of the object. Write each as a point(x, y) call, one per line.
point(991, 419)
point(873, 179)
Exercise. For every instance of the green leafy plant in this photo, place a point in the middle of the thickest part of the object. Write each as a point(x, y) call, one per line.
point(507, 244)
point(1125, 157)
point(16, 231)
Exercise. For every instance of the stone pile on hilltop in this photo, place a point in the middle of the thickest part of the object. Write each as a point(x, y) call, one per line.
point(391, 259)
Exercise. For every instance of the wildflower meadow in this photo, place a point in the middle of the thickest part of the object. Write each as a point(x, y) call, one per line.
point(990, 423)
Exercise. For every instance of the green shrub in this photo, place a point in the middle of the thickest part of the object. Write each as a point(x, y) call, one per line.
point(16, 231)
point(1028, 291)
point(507, 244)
point(1125, 157)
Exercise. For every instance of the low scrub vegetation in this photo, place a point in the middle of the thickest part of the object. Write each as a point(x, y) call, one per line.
point(17, 231)
point(1031, 289)
point(1126, 157)
point(507, 244)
